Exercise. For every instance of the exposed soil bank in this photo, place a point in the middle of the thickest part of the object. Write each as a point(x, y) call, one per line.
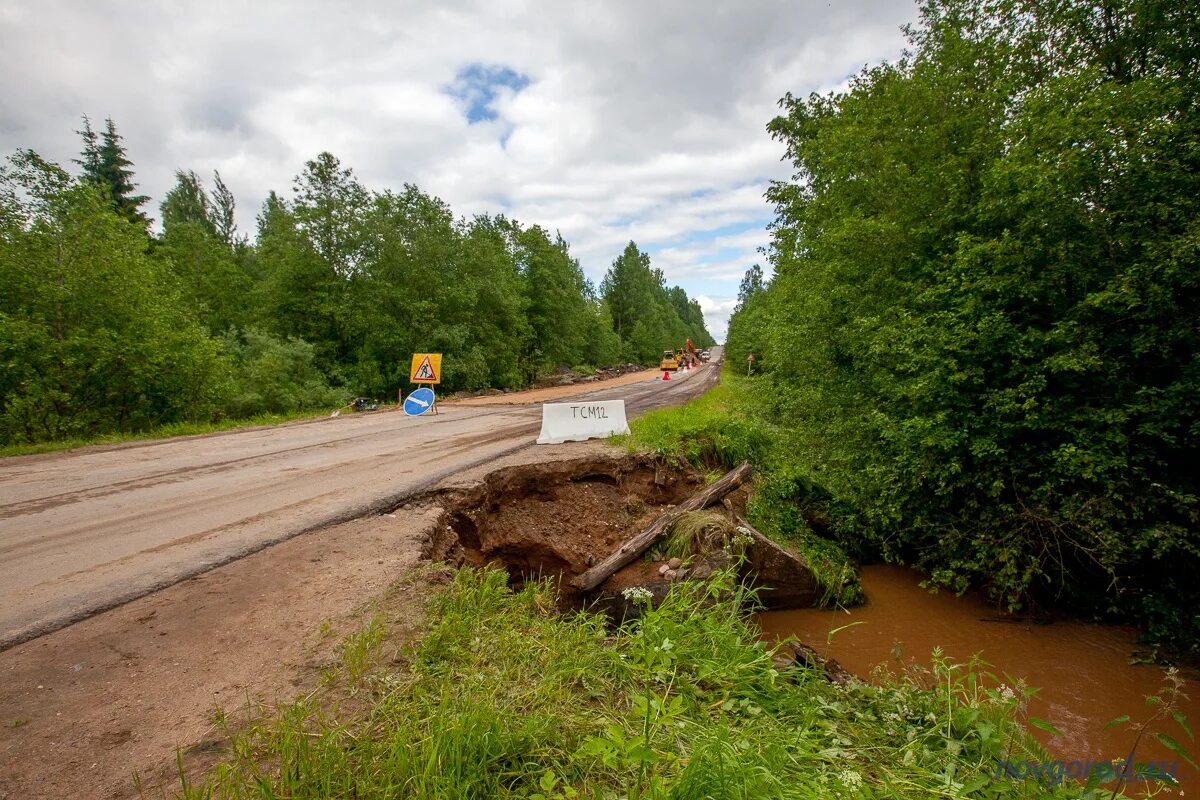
point(557, 520)
point(554, 519)
point(1082, 669)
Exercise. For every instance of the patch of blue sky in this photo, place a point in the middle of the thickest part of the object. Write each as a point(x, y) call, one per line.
point(732, 229)
point(698, 237)
point(476, 86)
point(625, 221)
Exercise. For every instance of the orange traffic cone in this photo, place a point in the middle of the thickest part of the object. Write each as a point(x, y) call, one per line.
point(666, 375)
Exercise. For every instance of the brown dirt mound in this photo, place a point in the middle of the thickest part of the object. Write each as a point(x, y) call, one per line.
point(556, 519)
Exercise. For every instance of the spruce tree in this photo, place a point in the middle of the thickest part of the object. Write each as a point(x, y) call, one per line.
point(106, 165)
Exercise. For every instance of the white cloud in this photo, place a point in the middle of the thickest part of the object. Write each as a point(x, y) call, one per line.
point(640, 121)
point(717, 311)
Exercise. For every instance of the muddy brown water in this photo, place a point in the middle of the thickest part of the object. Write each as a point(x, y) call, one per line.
point(556, 520)
point(1081, 669)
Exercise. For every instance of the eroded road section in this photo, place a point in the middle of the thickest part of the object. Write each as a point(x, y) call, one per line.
point(86, 531)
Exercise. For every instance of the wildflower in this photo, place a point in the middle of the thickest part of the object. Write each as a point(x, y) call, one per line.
point(1006, 693)
point(850, 779)
point(742, 536)
point(637, 594)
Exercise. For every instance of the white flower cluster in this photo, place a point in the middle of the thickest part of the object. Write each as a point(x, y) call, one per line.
point(637, 594)
point(850, 779)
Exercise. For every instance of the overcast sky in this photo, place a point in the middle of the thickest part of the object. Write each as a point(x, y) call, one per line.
point(607, 121)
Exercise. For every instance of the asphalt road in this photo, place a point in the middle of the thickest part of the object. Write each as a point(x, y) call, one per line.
point(84, 531)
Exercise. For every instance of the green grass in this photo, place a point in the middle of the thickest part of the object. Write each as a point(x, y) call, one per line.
point(708, 432)
point(161, 432)
point(715, 432)
point(503, 697)
point(697, 533)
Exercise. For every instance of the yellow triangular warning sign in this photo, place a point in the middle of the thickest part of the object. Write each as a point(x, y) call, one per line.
point(424, 372)
point(426, 368)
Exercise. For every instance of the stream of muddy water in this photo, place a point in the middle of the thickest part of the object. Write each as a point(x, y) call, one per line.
point(1082, 669)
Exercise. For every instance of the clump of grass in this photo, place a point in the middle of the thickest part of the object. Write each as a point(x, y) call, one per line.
point(709, 431)
point(714, 430)
point(503, 697)
point(359, 647)
point(697, 533)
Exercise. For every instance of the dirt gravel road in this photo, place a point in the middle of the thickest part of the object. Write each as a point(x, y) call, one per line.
point(85, 708)
point(84, 531)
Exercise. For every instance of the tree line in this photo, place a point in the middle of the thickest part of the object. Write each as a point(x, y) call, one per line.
point(107, 326)
point(982, 321)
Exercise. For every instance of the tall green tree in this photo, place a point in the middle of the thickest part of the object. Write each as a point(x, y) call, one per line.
point(752, 283)
point(92, 335)
point(329, 208)
point(750, 324)
point(187, 204)
point(628, 290)
point(301, 295)
point(647, 316)
point(561, 316)
point(107, 166)
point(223, 212)
point(216, 286)
point(397, 298)
point(980, 324)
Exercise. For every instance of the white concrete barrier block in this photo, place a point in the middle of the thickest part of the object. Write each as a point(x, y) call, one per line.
point(575, 422)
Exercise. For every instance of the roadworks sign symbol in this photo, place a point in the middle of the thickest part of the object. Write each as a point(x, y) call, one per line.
point(426, 368)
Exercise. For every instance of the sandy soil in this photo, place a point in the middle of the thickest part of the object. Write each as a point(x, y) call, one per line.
point(87, 706)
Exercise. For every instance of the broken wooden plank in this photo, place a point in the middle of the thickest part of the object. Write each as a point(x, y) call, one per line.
point(637, 545)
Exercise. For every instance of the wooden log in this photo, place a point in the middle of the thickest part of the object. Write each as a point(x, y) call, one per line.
point(834, 671)
point(637, 545)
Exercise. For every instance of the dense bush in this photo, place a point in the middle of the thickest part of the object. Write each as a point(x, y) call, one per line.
point(93, 338)
point(269, 375)
point(982, 324)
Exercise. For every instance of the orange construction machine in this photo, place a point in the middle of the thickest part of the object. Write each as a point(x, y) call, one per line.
point(688, 354)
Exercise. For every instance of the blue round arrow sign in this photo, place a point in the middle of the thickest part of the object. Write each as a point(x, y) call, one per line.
point(420, 401)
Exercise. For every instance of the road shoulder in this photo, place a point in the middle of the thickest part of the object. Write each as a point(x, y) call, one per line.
point(87, 706)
